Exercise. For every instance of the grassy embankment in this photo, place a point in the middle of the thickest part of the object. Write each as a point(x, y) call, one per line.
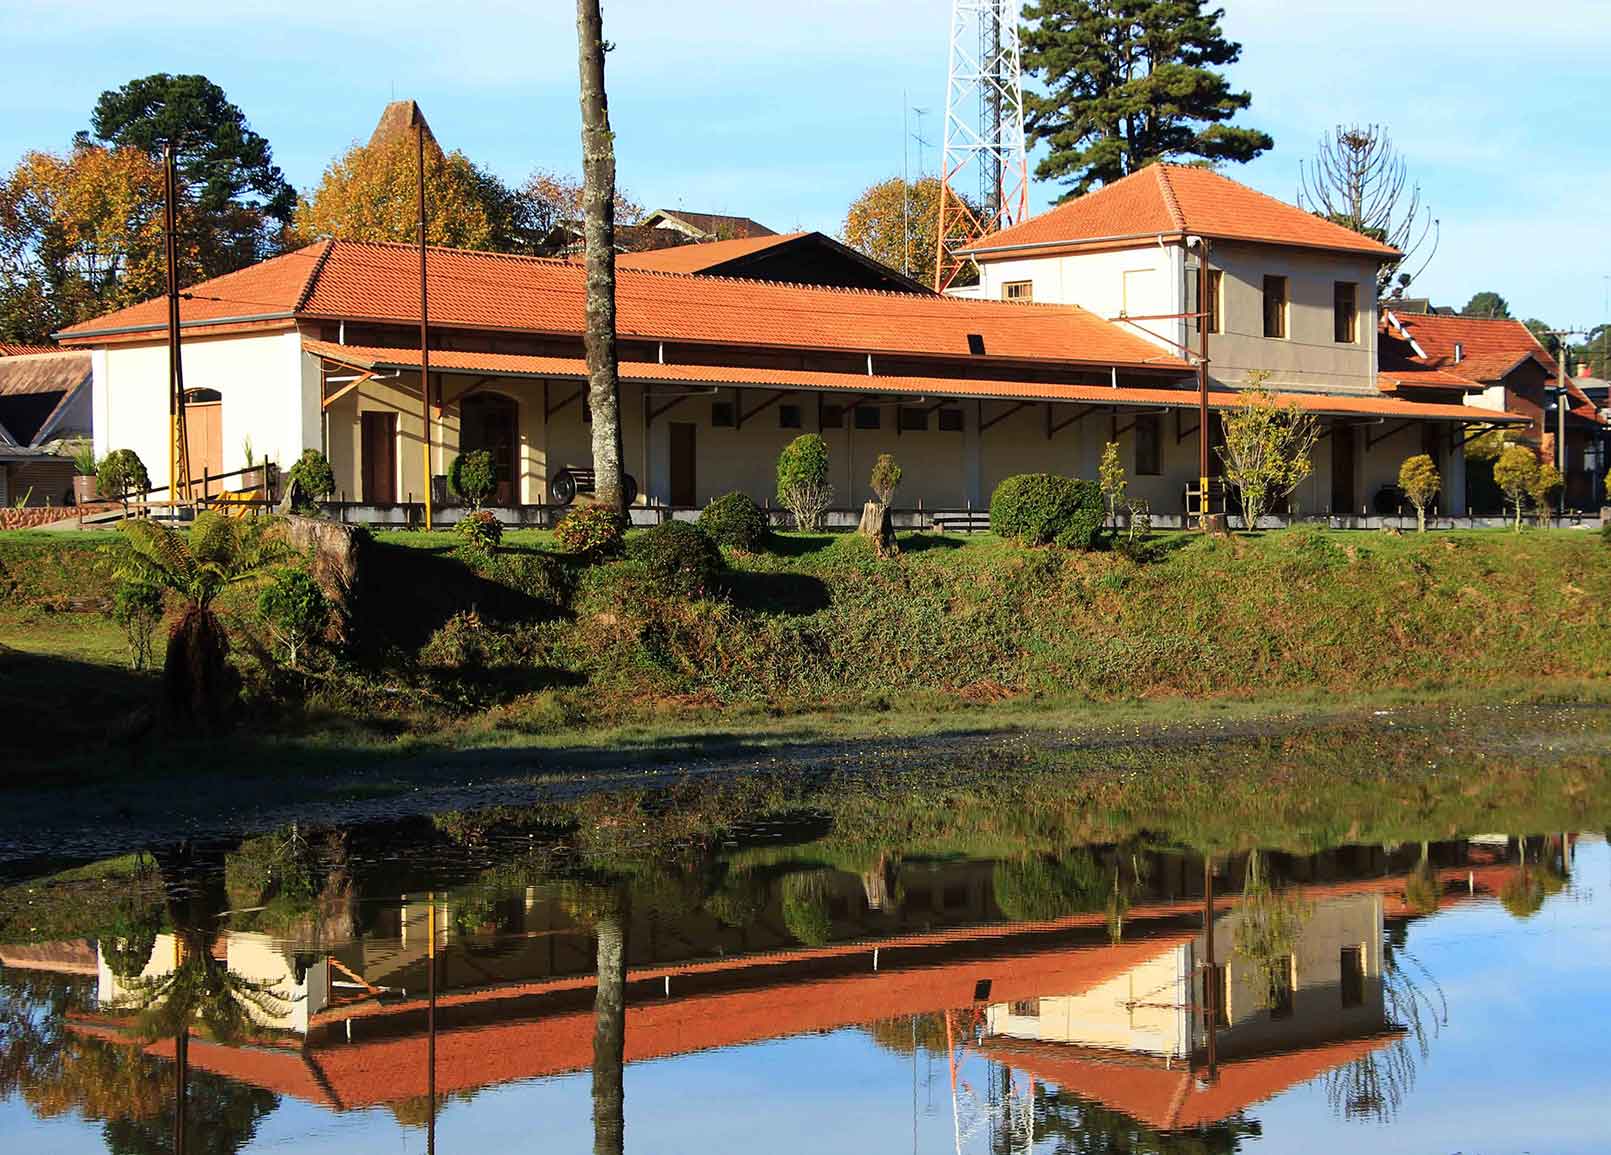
point(819, 638)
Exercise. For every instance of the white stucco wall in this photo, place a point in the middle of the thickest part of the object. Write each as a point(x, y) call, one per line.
point(261, 378)
point(1144, 281)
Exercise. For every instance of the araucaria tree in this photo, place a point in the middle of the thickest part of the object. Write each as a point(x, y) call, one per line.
point(1516, 474)
point(1266, 452)
point(598, 197)
point(1129, 82)
point(1360, 181)
point(1418, 478)
point(241, 202)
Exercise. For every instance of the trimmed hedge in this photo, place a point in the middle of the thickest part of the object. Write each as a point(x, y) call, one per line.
point(736, 521)
point(1043, 508)
point(679, 557)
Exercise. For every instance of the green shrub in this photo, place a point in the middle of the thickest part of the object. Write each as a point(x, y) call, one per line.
point(121, 473)
point(295, 609)
point(473, 477)
point(592, 531)
point(736, 521)
point(885, 479)
point(805, 907)
point(1038, 508)
point(803, 487)
point(1036, 889)
point(138, 609)
point(84, 458)
point(481, 531)
point(679, 557)
point(313, 477)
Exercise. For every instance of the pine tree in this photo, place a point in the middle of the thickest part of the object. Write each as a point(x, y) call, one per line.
point(1129, 82)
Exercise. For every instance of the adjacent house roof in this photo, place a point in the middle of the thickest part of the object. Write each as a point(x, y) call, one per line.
point(490, 291)
point(716, 226)
point(1489, 350)
point(36, 390)
point(808, 258)
point(1178, 200)
point(13, 350)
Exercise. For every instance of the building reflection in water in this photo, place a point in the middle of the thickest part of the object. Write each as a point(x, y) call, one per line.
point(1138, 1009)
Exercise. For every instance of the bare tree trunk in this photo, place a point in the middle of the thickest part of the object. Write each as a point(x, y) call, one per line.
point(879, 528)
point(609, 1029)
point(598, 200)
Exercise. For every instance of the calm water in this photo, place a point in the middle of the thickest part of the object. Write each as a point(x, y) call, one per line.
point(793, 985)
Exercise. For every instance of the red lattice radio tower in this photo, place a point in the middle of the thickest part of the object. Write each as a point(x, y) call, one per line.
point(985, 171)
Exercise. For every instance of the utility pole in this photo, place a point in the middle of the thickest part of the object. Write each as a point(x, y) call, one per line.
point(1562, 383)
point(425, 329)
point(1204, 312)
point(179, 449)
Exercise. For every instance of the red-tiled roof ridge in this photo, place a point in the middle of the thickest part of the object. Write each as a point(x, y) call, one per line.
point(1179, 199)
point(706, 278)
point(313, 277)
point(1171, 202)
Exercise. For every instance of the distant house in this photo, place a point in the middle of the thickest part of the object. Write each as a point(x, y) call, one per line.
point(1496, 364)
point(44, 400)
point(660, 229)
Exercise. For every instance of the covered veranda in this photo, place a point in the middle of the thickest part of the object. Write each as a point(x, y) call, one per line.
point(692, 432)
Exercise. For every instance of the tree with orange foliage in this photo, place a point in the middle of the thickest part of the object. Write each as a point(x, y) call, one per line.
point(895, 222)
point(81, 234)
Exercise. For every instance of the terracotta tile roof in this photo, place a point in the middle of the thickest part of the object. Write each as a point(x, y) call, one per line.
point(477, 290)
point(1489, 349)
point(271, 288)
point(574, 368)
point(1166, 1099)
point(702, 255)
point(1176, 199)
point(14, 350)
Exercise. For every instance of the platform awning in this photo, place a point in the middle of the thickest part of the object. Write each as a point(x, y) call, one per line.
point(373, 359)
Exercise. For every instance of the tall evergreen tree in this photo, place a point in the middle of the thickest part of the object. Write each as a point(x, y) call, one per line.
point(1130, 82)
point(242, 201)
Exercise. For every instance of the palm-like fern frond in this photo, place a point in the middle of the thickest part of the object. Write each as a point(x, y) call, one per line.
point(217, 552)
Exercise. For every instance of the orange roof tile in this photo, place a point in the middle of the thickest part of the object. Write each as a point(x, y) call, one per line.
point(8, 349)
point(1180, 199)
point(271, 288)
point(476, 290)
point(574, 368)
point(1489, 349)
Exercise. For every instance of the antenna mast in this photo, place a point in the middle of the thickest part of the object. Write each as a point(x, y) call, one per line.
point(984, 172)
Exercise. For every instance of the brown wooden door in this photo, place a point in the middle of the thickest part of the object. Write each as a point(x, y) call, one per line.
point(204, 440)
point(683, 483)
point(1342, 470)
point(378, 455)
point(491, 421)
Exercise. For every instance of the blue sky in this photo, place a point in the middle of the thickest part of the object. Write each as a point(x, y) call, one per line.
point(786, 111)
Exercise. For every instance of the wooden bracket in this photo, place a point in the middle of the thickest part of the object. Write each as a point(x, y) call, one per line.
point(1058, 426)
point(739, 416)
point(1371, 442)
point(669, 406)
point(443, 403)
point(1469, 437)
point(332, 398)
point(1003, 415)
point(1180, 433)
point(550, 410)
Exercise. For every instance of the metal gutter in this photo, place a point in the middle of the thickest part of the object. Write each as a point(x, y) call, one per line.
point(161, 326)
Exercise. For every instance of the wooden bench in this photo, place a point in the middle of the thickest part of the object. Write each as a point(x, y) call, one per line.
point(961, 520)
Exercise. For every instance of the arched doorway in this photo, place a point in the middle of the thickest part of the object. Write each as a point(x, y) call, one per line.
point(491, 421)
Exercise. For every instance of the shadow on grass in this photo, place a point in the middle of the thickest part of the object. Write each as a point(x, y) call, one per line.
point(408, 593)
point(800, 544)
point(58, 706)
point(797, 594)
point(919, 542)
